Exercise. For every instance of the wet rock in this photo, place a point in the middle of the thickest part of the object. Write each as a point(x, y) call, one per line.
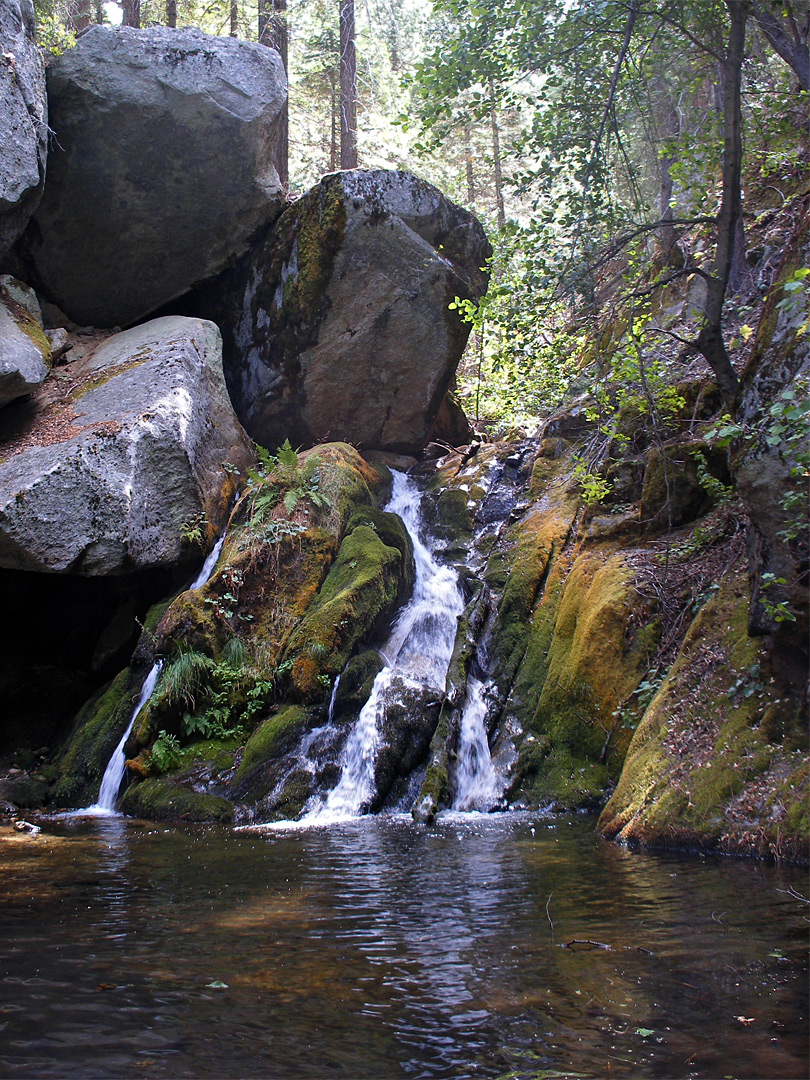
point(162, 169)
point(23, 119)
point(102, 481)
point(337, 325)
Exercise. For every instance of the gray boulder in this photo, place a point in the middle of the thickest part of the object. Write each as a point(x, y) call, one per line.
point(114, 461)
point(24, 348)
point(337, 325)
point(23, 119)
point(162, 171)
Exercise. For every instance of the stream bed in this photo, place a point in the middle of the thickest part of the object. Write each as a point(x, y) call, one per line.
point(510, 945)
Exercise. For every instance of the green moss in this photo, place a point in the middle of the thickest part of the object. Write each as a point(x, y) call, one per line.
point(535, 542)
point(273, 738)
point(166, 800)
point(701, 769)
point(97, 731)
point(358, 596)
point(435, 791)
point(587, 651)
point(27, 323)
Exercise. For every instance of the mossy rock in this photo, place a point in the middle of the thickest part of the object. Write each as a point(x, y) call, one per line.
point(534, 543)
point(589, 645)
point(166, 800)
point(26, 791)
point(701, 769)
point(672, 493)
point(276, 736)
point(356, 682)
point(266, 761)
point(96, 733)
point(357, 599)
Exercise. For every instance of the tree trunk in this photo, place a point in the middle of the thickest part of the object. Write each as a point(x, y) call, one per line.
point(468, 164)
point(787, 35)
point(81, 16)
point(496, 158)
point(279, 40)
point(710, 340)
point(334, 147)
point(264, 22)
point(234, 27)
point(171, 13)
point(132, 13)
point(348, 87)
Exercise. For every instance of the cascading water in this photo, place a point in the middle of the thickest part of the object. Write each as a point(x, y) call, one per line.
point(417, 654)
point(478, 785)
point(208, 566)
point(114, 773)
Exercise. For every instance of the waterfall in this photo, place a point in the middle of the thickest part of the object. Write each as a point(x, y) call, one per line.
point(477, 783)
point(417, 653)
point(208, 565)
point(114, 773)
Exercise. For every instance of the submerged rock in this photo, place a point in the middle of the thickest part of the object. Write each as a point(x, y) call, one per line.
point(24, 350)
point(337, 325)
point(162, 171)
point(23, 119)
point(99, 477)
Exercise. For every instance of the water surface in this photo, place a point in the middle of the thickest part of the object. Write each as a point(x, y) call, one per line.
point(377, 948)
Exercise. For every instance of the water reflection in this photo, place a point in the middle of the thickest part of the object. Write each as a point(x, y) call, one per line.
point(378, 948)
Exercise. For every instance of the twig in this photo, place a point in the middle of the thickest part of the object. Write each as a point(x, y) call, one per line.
point(548, 914)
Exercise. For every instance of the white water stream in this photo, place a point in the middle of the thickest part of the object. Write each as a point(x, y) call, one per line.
point(417, 651)
point(478, 785)
point(114, 773)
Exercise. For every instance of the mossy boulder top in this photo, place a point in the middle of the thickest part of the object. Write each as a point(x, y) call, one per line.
point(99, 471)
point(162, 169)
point(23, 119)
point(337, 326)
point(24, 349)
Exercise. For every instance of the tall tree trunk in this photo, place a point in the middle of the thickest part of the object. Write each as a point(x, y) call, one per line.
point(334, 144)
point(264, 22)
point(132, 13)
point(348, 87)
point(234, 27)
point(81, 16)
point(668, 124)
point(787, 34)
point(468, 164)
point(279, 39)
point(496, 157)
point(710, 340)
point(171, 13)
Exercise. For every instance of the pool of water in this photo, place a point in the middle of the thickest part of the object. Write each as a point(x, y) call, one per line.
point(491, 946)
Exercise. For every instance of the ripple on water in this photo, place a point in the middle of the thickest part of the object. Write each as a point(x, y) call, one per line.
point(376, 947)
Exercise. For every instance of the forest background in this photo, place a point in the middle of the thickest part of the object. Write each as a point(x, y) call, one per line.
point(611, 147)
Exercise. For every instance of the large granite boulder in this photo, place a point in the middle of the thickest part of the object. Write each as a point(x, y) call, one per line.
point(24, 349)
point(337, 325)
point(162, 169)
point(23, 119)
point(101, 469)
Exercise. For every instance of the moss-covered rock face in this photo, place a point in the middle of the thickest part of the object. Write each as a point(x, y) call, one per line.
point(358, 597)
point(291, 597)
point(586, 653)
point(166, 800)
point(719, 759)
point(96, 733)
